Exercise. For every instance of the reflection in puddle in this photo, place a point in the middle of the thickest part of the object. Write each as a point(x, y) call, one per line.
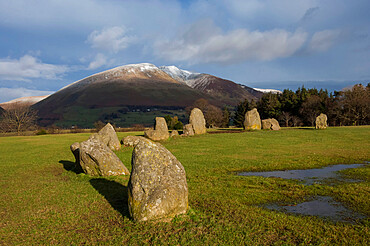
point(322, 206)
point(310, 176)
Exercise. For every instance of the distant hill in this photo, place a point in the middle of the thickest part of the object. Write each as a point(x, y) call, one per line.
point(23, 100)
point(135, 94)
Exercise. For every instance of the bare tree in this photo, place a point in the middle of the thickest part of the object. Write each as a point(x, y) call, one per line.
point(356, 104)
point(286, 117)
point(18, 118)
point(296, 121)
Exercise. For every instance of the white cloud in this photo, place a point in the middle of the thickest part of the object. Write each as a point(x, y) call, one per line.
point(28, 67)
point(110, 39)
point(199, 45)
point(100, 60)
point(323, 40)
point(7, 94)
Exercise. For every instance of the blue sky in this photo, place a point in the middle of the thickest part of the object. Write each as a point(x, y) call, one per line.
point(48, 44)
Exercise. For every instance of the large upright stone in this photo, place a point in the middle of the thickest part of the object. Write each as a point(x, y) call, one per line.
point(109, 137)
point(321, 121)
point(97, 159)
point(197, 120)
point(157, 189)
point(270, 124)
point(188, 130)
point(252, 120)
point(160, 131)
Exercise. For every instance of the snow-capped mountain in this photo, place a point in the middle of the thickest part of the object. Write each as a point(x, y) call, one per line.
point(133, 86)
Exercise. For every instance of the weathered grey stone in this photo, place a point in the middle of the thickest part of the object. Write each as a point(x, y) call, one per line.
point(97, 159)
point(197, 120)
point(174, 133)
point(188, 130)
point(252, 120)
point(321, 121)
point(109, 137)
point(157, 189)
point(131, 140)
point(160, 131)
point(271, 124)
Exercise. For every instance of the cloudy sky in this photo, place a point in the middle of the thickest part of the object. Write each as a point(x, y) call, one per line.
point(48, 44)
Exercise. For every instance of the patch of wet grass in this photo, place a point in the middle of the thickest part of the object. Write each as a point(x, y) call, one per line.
point(44, 202)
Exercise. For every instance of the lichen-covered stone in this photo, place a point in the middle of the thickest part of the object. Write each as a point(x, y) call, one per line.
point(157, 189)
point(131, 140)
point(174, 133)
point(270, 124)
point(197, 120)
point(160, 131)
point(97, 159)
point(321, 121)
point(252, 120)
point(188, 130)
point(109, 137)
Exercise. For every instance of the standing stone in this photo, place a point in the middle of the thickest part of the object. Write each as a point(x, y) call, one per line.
point(198, 121)
point(188, 130)
point(131, 141)
point(174, 133)
point(160, 131)
point(252, 120)
point(157, 189)
point(271, 124)
point(109, 137)
point(321, 121)
point(97, 159)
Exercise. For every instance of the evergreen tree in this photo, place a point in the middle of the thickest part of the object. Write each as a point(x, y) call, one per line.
point(240, 112)
point(225, 118)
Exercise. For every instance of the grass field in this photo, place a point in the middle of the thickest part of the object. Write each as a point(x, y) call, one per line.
point(44, 202)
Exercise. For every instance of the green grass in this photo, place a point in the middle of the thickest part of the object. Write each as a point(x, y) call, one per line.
point(42, 201)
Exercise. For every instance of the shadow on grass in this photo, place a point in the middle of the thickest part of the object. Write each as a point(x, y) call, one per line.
point(114, 192)
point(71, 166)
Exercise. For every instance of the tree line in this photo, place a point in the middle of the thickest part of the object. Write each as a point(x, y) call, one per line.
point(300, 108)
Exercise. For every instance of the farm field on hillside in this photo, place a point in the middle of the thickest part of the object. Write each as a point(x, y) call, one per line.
point(43, 201)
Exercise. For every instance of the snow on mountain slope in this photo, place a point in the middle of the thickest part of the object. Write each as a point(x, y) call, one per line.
point(141, 70)
point(180, 75)
point(273, 91)
point(23, 100)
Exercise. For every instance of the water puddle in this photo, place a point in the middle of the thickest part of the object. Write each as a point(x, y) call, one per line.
point(309, 176)
point(321, 206)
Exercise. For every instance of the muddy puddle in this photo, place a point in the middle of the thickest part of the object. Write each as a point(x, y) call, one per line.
point(309, 176)
point(322, 206)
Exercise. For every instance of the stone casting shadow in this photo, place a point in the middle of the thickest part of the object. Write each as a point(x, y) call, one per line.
point(71, 166)
point(114, 192)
